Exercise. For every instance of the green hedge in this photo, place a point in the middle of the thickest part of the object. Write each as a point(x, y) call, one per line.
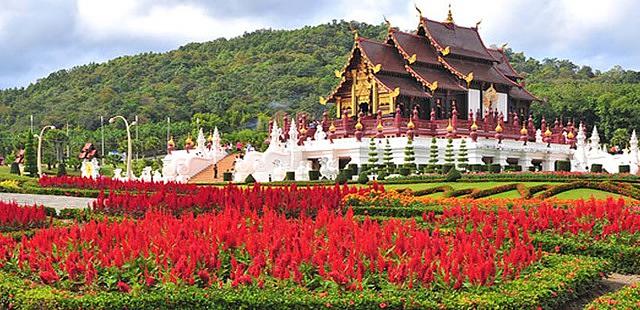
point(623, 299)
point(432, 190)
point(546, 284)
point(493, 191)
point(596, 168)
point(563, 165)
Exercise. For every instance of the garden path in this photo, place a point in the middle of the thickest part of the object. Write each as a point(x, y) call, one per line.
point(56, 202)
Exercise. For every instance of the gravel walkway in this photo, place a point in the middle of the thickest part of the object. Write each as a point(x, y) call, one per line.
point(56, 202)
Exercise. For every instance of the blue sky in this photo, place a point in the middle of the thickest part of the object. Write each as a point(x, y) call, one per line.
point(38, 37)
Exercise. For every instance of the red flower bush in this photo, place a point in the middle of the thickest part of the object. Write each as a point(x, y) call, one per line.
point(238, 247)
point(17, 217)
point(103, 183)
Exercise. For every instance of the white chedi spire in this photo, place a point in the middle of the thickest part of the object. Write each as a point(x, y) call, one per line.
point(581, 137)
point(293, 134)
point(595, 138)
point(201, 140)
point(539, 136)
point(216, 138)
point(633, 142)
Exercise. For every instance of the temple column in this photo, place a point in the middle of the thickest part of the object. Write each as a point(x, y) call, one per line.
point(547, 164)
point(525, 162)
point(354, 76)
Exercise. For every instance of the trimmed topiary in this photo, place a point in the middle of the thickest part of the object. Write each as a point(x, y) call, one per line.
point(624, 169)
point(314, 175)
point(15, 168)
point(453, 175)
point(250, 179)
point(363, 178)
point(227, 177)
point(596, 168)
point(30, 160)
point(290, 176)
point(343, 177)
point(433, 152)
point(563, 165)
point(62, 169)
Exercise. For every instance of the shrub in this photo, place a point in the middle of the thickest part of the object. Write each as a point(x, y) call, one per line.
point(433, 151)
point(596, 168)
point(462, 154)
point(250, 179)
point(388, 154)
point(62, 169)
point(448, 152)
point(563, 165)
point(373, 152)
point(30, 160)
point(314, 175)
point(624, 169)
point(15, 168)
point(382, 175)
point(343, 177)
point(475, 167)
point(290, 176)
point(363, 178)
point(453, 175)
point(494, 168)
point(404, 171)
point(409, 156)
point(447, 167)
point(227, 177)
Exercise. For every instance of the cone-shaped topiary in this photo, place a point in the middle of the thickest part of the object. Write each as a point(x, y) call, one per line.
point(388, 154)
point(433, 152)
point(30, 161)
point(363, 178)
point(448, 152)
point(453, 175)
point(15, 168)
point(250, 179)
point(462, 154)
point(373, 153)
point(409, 156)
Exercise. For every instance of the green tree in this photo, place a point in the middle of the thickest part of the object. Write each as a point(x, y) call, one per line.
point(433, 152)
point(620, 138)
point(409, 155)
point(388, 154)
point(373, 153)
point(462, 154)
point(30, 157)
point(448, 152)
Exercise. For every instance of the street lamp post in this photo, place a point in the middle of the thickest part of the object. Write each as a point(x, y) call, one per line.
point(39, 161)
point(127, 125)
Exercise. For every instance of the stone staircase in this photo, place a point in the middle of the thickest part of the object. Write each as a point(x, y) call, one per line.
point(206, 175)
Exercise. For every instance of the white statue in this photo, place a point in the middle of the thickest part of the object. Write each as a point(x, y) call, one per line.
point(328, 168)
point(320, 134)
point(539, 136)
point(157, 176)
point(145, 176)
point(117, 174)
point(595, 139)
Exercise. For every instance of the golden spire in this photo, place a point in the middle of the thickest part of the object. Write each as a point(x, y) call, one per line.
point(380, 127)
point(411, 125)
point(570, 135)
point(359, 125)
point(449, 16)
point(499, 128)
point(418, 9)
point(449, 127)
point(386, 21)
point(548, 133)
point(332, 128)
point(170, 142)
point(474, 126)
point(524, 131)
point(210, 138)
point(188, 140)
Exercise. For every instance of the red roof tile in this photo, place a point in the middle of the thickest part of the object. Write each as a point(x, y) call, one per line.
point(384, 54)
point(412, 44)
point(504, 66)
point(462, 41)
point(408, 86)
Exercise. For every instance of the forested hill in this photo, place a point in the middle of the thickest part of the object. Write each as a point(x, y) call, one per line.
point(244, 79)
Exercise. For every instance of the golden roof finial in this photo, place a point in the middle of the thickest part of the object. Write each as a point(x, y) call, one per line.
point(411, 125)
point(474, 126)
point(524, 131)
point(359, 124)
point(170, 142)
point(499, 128)
point(354, 31)
point(210, 138)
point(570, 135)
point(386, 21)
point(548, 133)
point(332, 128)
point(188, 140)
point(449, 16)
point(449, 127)
point(380, 127)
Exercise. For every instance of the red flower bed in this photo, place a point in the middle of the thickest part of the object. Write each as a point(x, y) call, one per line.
point(238, 247)
point(599, 218)
point(290, 199)
point(17, 217)
point(104, 183)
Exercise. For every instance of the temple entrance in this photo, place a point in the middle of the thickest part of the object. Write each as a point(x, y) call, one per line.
point(536, 164)
point(315, 164)
point(487, 160)
point(364, 108)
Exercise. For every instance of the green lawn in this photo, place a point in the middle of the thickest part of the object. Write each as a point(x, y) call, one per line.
point(460, 185)
point(513, 194)
point(585, 193)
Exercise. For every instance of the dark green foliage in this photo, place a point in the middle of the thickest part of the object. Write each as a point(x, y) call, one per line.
point(227, 177)
point(448, 152)
point(290, 176)
point(433, 151)
point(62, 168)
point(343, 177)
point(373, 152)
point(404, 171)
point(15, 168)
point(409, 158)
point(314, 175)
point(363, 178)
point(354, 169)
point(563, 165)
point(382, 175)
point(494, 168)
point(446, 168)
point(30, 157)
point(624, 169)
point(250, 179)
point(388, 154)
point(453, 175)
point(596, 168)
point(463, 154)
